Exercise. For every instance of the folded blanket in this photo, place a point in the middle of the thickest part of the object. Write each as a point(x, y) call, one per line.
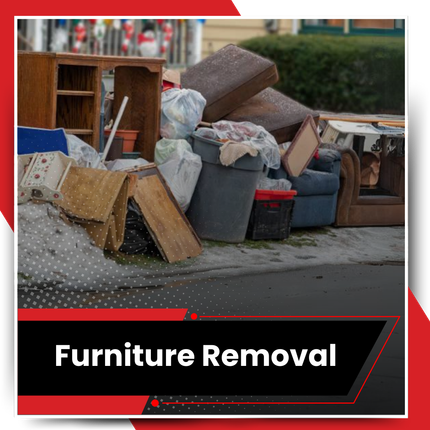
point(231, 151)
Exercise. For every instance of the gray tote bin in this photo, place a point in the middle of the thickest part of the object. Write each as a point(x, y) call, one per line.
point(223, 198)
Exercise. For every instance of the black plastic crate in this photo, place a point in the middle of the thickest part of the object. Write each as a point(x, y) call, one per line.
point(270, 219)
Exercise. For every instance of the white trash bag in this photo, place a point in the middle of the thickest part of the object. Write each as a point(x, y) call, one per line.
point(181, 112)
point(125, 164)
point(165, 147)
point(84, 154)
point(181, 171)
point(274, 184)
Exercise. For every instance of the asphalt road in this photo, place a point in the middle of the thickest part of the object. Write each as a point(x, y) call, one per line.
point(325, 290)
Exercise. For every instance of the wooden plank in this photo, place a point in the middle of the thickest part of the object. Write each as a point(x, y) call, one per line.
point(132, 184)
point(173, 237)
point(75, 93)
point(151, 170)
point(76, 78)
point(367, 119)
point(143, 108)
point(97, 199)
point(75, 113)
point(90, 194)
point(36, 91)
point(79, 131)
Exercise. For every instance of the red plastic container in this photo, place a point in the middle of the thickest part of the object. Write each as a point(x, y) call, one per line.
point(274, 195)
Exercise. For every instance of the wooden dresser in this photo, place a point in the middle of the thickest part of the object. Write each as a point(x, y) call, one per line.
point(61, 90)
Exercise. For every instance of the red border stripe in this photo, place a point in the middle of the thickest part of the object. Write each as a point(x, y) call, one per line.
point(299, 316)
point(101, 314)
point(81, 405)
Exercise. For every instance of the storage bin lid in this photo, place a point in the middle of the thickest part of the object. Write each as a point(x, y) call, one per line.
point(274, 194)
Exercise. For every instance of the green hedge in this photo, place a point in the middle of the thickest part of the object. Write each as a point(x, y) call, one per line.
point(338, 73)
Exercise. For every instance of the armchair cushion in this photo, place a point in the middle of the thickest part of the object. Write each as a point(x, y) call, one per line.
point(317, 188)
point(315, 183)
point(320, 178)
point(326, 161)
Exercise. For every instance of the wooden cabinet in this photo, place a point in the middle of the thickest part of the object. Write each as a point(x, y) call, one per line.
point(60, 90)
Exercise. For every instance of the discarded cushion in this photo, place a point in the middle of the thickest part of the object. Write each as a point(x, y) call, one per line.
point(228, 78)
point(280, 115)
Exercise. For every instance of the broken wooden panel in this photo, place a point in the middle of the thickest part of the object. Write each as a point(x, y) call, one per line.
point(175, 238)
point(143, 109)
point(151, 170)
point(302, 148)
point(97, 199)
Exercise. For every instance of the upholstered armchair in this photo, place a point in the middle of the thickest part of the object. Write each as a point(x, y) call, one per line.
point(317, 188)
point(380, 205)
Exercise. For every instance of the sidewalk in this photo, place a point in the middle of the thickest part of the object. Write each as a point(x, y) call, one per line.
point(55, 255)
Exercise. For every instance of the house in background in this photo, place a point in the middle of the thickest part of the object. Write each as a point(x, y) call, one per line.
point(217, 33)
point(355, 27)
point(192, 39)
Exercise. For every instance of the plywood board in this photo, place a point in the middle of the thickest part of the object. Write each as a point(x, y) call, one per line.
point(97, 199)
point(302, 148)
point(90, 194)
point(151, 170)
point(175, 239)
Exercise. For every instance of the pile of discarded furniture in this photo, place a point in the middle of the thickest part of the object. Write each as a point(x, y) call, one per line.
point(149, 160)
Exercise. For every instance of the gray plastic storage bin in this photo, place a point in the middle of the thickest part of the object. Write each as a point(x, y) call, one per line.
point(223, 198)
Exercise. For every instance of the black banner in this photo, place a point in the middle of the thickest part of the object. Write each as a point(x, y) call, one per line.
point(300, 358)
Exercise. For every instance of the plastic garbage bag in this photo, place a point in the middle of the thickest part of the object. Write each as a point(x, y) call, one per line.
point(207, 133)
point(274, 184)
point(181, 171)
point(181, 112)
point(165, 147)
point(253, 135)
point(84, 154)
point(125, 164)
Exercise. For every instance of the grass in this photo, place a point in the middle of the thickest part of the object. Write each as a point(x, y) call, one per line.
point(135, 259)
point(249, 244)
point(143, 260)
point(300, 242)
point(299, 238)
point(258, 244)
